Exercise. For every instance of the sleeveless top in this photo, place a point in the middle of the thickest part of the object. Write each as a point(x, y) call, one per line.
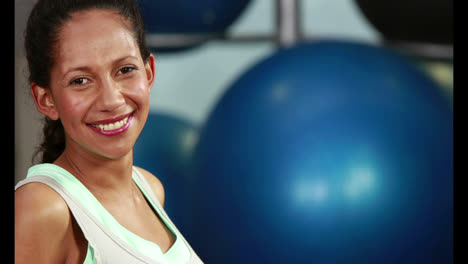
point(108, 241)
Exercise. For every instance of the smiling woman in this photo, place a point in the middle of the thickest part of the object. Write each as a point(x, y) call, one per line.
point(92, 84)
point(91, 76)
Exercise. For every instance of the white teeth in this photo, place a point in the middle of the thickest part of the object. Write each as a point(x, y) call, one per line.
point(112, 126)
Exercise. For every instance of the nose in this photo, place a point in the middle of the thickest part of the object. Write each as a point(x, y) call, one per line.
point(110, 96)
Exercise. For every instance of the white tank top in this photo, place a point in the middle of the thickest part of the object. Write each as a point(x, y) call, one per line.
point(108, 241)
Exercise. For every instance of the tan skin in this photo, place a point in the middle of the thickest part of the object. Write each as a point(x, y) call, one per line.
point(98, 74)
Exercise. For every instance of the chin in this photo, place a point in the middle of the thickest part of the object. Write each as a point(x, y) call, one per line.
point(116, 154)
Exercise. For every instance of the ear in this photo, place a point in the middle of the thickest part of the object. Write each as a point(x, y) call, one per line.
point(150, 68)
point(44, 101)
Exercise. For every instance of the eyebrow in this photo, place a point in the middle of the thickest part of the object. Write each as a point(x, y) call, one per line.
point(86, 68)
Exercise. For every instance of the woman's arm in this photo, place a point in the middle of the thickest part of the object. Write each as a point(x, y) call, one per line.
point(43, 225)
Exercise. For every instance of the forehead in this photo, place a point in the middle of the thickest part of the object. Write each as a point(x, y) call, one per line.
point(94, 36)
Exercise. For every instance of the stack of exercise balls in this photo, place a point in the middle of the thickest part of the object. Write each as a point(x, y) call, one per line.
point(326, 152)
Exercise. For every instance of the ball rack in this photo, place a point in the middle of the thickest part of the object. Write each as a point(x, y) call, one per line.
point(288, 32)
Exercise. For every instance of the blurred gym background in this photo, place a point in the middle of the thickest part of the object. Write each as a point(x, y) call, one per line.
point(294, 131)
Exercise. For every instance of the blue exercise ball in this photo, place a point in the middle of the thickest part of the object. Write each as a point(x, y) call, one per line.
point(326, 152)
point(165, 148)
point(189, 18)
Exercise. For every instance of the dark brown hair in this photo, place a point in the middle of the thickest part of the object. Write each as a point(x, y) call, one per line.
point(41, 37)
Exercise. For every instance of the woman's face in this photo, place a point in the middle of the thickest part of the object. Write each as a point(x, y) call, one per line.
point(100, 84)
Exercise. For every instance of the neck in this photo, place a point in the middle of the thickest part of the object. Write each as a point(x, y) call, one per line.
point(100, 175)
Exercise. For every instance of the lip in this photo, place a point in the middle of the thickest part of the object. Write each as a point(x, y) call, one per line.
point(111, 120)
point(114, 132)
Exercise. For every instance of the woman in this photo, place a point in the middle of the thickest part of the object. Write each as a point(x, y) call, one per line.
point(91, 75)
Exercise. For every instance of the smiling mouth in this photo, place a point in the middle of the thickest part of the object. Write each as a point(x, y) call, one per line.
point(114, 126)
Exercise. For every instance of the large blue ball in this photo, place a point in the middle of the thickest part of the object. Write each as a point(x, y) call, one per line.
point(327, 152)
point(189, 17)
point(165, 148)
point(185, 16)
point(205, 17)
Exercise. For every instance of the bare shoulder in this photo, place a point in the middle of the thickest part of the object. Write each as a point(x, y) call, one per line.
point(155, 183)
point(42, 225)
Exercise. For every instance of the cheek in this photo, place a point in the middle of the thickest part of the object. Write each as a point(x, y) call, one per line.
point(72, 107)
point(139, 92)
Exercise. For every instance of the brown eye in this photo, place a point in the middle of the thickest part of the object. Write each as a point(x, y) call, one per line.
point(79, 81)
point(126, 69)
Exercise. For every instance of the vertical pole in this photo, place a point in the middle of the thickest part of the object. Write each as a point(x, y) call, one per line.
point(288, 30)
